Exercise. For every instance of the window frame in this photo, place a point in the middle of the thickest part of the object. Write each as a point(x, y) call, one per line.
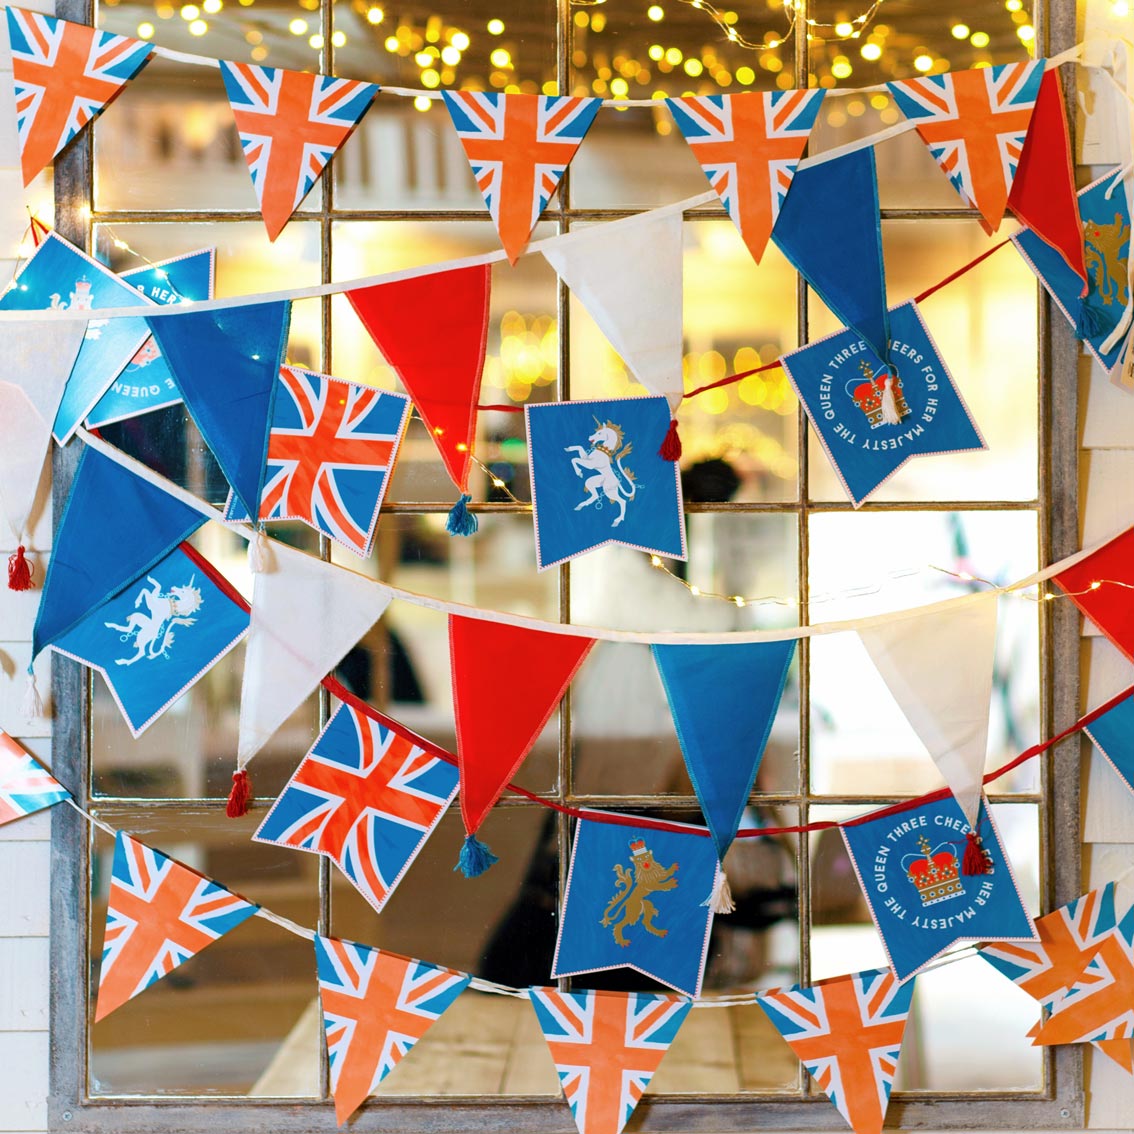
point(1061, 1102)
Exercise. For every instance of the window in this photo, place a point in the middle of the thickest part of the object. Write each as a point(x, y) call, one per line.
point(233, 1036)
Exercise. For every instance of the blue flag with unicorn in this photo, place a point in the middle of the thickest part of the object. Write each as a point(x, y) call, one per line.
point(597, 478)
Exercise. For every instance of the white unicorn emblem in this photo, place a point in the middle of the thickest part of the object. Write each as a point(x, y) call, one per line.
point(151, 634)
point(604, 459)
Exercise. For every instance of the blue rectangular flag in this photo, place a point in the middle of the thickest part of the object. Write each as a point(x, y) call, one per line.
point(597, 478)
point(638, 898)
point(1113, 735)
point(872, 417)
point(909, 866)
point(147, 383)
point(59, 277)
point(157, 638)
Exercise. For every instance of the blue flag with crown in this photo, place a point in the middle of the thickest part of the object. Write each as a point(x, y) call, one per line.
point(912, 868)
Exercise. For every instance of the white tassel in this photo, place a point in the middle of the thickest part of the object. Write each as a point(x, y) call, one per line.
point(32, 704)
point(890, 413)
point(720, 900)
point(259, 553)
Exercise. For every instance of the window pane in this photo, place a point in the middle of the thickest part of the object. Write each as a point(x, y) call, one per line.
point(230, 1020)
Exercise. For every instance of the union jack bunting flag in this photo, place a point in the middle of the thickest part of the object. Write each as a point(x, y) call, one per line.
point(331, 453)
point(158, 915)
point(749, 145)
point(1099, 1006)
point(367, 796)
point(290, 123)
point(519, 146)
point(376, 1006)
point(1069, 937)
point(64, 75)
point(848, 1033)
point(974, 123)
point(606, 1047)
point(25, 784)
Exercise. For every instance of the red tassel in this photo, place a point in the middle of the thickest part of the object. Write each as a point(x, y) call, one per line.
point(975, 860)
point(239, 796)
point(20, 571)
point(671, 447)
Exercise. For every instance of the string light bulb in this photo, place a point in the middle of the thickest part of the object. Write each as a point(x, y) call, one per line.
point(841, 30)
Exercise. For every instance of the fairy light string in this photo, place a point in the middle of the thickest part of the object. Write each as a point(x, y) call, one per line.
point(795, 8)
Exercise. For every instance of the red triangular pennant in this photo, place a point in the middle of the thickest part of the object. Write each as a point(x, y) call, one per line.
point(1043, 194)
point(1107, 606)
point(507, 681)
point(432, 330)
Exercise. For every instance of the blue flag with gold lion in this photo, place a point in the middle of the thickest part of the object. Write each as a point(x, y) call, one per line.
point(637, 898)
point(597, 478)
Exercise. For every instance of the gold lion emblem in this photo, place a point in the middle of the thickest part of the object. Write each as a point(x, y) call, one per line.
point(630, 899)
point(1101, 246)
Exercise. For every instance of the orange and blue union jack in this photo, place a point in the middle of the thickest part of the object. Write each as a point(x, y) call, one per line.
point(376, 1006)
point(974, 123)
point(291, 123)
point(26, 786)
point(519, 146)
point(331, 452)
point(606, 1047)
point(64, 75)
point(367, 796)
point(158, 915)
point(1069, 938)
point(749, 146)
point(847, 1032)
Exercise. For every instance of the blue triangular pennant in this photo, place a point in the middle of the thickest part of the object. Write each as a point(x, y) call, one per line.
point(116, 527)
point(226, 364)
point(830, 229)
point(724, 699)
point(1113, 735)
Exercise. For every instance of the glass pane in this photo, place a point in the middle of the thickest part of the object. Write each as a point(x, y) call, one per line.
point(521, 363)
point(978, 323)
point(861, 744)
point(234, 1018)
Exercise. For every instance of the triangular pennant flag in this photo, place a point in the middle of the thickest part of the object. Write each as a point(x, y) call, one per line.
point(519, 146)
point(643, 322)
point(497, 724)
point(367, 795)
point(1043, 193)
point(306, 615)
point(847, 1032)
point(407, 319)
point(158, 915)
point(830, 229)
point(974, 123)
point(64, 75)
point(226, 364)
point(1089, 585)
point(1099, 1006)
point(724, 699)
point(291, 123)
point(37, 359)
point(1069, 937)
point(26, 786)
point(115, 527)
point(606, 1047)
point(938, 666)
point(749, 145)
point(146, 383)
point(376, 1006)
point(1113, 735)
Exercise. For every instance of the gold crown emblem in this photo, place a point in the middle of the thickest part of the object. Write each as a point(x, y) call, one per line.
point(936, 875)
point(868, 394)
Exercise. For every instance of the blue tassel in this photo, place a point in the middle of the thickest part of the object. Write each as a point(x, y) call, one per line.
point(461, 521)
point(475, 858)
point(1089, 324)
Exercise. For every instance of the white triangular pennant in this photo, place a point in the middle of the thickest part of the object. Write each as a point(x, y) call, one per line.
point(306, 614)
point(938, 666)
point(37, 360)
point(642, 319)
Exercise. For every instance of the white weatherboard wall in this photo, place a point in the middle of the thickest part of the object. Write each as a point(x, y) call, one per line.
point(1107, 479)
